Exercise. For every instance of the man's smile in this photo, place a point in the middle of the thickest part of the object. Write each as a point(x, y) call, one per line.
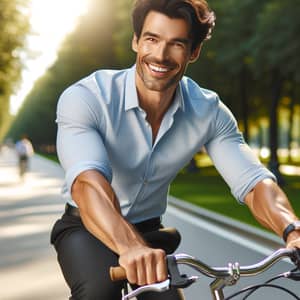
point(159, 69)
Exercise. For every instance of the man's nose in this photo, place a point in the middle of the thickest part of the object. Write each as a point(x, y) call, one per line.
point(162, 52)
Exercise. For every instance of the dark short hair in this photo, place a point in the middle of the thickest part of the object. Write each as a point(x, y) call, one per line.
point(199, 16)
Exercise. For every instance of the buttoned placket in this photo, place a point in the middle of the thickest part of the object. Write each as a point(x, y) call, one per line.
point(167, 123)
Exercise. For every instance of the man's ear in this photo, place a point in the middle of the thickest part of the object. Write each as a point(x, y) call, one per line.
point(195, 54)
point(134, 43)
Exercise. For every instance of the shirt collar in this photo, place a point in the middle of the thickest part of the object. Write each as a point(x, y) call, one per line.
point(178, 99)
point(131, 97)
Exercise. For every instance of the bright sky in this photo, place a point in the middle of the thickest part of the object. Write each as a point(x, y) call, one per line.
point(51, 20)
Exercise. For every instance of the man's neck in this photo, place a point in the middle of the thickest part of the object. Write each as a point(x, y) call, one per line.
point(155, 103)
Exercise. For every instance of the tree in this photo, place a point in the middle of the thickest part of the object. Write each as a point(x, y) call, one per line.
point(14, 26)
point(276, 58)
point(238, 26)
point(85, 50)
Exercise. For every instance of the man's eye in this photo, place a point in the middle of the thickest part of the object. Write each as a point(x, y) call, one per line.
point(150, 39)
point(179, 45)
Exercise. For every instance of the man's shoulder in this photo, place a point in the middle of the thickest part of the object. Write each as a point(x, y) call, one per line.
point(193, 92)
point(100, 78)
point(100, 84)
point(103, 79)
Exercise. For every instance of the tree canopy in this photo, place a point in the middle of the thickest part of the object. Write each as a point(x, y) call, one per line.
point(253, 41)
point(14, 27)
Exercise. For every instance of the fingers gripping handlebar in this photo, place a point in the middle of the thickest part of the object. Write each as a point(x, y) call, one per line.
point(167, 238)
point(177, 280)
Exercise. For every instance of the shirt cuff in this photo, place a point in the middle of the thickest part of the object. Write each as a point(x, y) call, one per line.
point(241, 191)
point(72, 173)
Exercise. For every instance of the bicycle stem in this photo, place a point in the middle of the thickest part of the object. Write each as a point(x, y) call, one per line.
point(216, 287)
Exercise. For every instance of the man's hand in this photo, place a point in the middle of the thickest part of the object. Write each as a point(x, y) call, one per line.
point(293, 240)
point(144, 265)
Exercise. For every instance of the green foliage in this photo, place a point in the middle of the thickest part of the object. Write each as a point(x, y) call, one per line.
point(251, 38)
point(87, 49)
point(122, 37)
point(275, 45)
point(14, 25)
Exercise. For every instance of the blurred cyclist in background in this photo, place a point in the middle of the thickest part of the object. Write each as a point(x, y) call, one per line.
point(24, 150)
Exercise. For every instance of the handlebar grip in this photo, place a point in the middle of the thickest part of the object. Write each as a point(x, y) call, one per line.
point(117, 273)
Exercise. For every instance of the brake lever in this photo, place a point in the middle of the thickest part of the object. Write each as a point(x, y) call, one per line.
point(294, 275)
point(178, 280)
point(296, 257)
point(155, 287)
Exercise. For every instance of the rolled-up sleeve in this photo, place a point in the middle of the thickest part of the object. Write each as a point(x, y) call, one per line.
point(232, 157)
point(80, 140)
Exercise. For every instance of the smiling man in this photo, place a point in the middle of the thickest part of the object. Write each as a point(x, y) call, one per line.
point(122, 138)
point(164, 50)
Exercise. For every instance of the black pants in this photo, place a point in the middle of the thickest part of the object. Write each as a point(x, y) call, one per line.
point(85, 262)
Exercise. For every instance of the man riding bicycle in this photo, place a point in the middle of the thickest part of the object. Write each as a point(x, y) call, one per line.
point(122, 138)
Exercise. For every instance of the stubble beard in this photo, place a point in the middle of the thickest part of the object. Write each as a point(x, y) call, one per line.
point(156, 84)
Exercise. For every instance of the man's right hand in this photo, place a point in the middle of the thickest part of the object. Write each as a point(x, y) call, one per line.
point(144, 265)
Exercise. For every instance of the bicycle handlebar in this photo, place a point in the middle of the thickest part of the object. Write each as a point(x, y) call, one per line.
point(250, 270)
point(224, 276)
point(118, 273)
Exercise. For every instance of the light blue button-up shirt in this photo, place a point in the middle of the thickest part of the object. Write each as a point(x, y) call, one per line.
point(102, 127)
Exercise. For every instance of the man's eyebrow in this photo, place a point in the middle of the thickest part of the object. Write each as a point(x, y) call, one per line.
point(184, 41)
point(149, 33)
point(181, 40)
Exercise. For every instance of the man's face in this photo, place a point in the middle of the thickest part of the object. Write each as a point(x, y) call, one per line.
point(163, 51)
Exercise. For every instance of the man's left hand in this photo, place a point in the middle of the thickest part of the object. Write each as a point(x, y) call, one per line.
point(293, 240)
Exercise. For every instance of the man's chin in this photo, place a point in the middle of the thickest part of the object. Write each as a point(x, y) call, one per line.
point(155, 87)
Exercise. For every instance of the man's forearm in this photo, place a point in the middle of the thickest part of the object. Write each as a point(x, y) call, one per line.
point(270, 206)
point(101, 214)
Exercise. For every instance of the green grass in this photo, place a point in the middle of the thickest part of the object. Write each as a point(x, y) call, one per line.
point(207, 189)
point(52, 157)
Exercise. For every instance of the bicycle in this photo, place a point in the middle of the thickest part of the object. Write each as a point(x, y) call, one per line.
point(223, 276)
point(23, 165)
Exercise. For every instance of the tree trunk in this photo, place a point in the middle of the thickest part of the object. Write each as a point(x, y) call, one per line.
point(244, 98)
point(276, 85)
point(291, 118)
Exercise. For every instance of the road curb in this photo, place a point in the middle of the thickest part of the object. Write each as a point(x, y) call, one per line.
point(262, 237)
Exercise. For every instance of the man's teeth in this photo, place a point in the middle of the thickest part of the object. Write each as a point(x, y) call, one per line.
point(158, 69)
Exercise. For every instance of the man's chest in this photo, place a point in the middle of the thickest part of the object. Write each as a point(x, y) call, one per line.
point(130, 145)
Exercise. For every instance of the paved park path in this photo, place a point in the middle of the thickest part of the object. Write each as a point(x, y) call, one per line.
point(28, 208)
